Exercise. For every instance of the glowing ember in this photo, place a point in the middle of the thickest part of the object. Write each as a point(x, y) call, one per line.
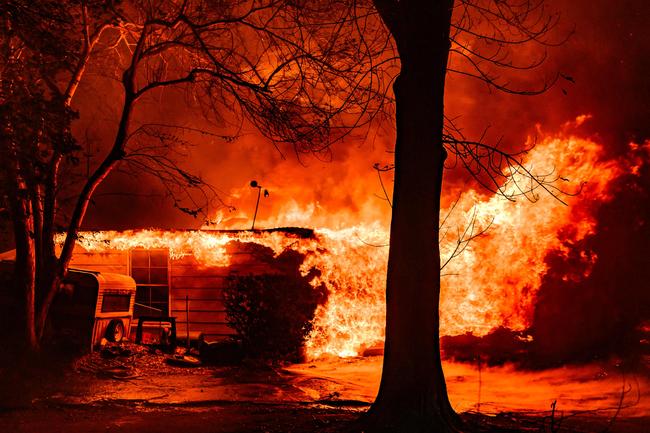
point(492, 283)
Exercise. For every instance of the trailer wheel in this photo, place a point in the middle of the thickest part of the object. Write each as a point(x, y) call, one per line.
point(115, 331)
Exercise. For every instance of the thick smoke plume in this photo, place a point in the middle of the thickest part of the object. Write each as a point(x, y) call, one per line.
point(593, 296)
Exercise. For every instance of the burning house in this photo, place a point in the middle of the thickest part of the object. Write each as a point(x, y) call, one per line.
point(182, 274)
point(526, 269)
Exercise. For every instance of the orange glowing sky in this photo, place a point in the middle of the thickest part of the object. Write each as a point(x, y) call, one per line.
point(608, 65)
point(609, 69)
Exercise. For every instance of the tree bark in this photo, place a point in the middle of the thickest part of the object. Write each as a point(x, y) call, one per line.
point(25, 267)
point(413, 395)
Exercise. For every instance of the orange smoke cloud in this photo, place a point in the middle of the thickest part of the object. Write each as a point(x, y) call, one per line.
point(492, 283)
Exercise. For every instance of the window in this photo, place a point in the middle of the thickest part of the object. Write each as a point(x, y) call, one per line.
point(149, 269)
point(113, 302)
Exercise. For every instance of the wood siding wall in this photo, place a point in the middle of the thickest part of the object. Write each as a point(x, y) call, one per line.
point(111, 261)
point(202, 285)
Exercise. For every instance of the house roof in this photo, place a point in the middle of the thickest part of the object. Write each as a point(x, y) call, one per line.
point(304, 233)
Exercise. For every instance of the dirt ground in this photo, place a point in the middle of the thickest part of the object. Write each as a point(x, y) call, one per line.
point(136, 391)
point(244, 418)
point(241, 418)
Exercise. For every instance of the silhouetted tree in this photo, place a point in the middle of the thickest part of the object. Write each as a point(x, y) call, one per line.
point(481, 36)
point(41, 43)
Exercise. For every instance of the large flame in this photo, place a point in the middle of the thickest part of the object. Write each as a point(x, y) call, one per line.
point(492, 283)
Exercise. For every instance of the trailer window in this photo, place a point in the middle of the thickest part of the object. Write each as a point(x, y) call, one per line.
point(149, 269)
point(113, 302)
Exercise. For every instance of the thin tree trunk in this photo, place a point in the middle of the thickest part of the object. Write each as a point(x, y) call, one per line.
point(103, 170)
point(25, 269)
point(114, 156)
point(49, 211)
point(413, 395)
point(33, 207)
point(37, 230)
point(49, 285)
point(107, 165)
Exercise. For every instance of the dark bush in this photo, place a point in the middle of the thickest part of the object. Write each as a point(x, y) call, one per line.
point(272, 314)
point(500, 346)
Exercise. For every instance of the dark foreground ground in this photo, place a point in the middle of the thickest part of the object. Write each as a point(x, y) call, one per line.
point(138, 392)
point(243, 418)
point(234, 418)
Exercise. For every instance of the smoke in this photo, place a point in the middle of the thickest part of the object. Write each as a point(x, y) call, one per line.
point(606, 58)
point(594, 294)
point(578, 317)
point(593, 299)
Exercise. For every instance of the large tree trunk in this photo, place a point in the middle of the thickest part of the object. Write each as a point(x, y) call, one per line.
point(413, 395)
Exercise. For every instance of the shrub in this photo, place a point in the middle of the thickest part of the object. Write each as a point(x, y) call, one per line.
point(272, 314)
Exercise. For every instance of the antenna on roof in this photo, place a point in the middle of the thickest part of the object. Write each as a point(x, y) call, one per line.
point(259, 187)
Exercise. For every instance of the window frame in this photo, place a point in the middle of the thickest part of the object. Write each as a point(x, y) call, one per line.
point(167, 283)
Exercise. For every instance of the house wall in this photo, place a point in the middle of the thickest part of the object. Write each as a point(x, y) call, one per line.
point(203, 288)
point(114, 261)
point(191, 282)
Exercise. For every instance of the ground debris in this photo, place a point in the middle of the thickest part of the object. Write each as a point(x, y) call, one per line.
point(118, 361)
point(126, 361)
point(108, 367)
point(183, 361)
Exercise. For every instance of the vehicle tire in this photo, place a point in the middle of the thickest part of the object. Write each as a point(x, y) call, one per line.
point(115, 331)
